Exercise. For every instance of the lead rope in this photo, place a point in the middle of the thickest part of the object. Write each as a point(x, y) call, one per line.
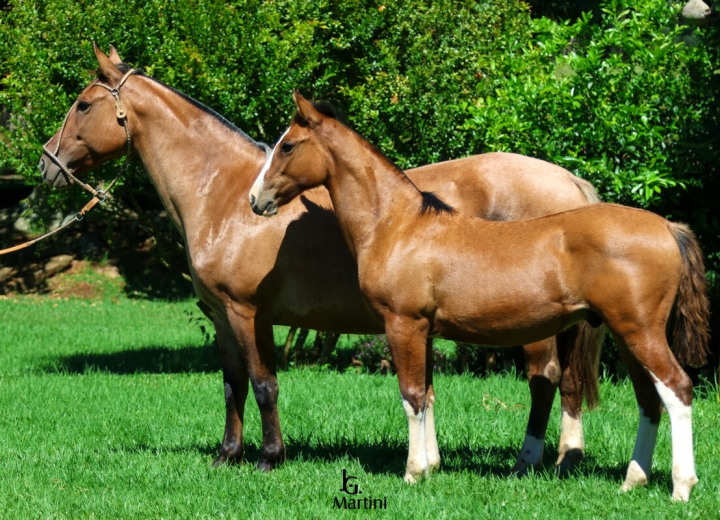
point(100, 194)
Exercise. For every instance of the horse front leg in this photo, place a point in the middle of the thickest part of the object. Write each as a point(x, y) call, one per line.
point(256, 341)
point(408, 343)
point(235, 379)
point(543, 377)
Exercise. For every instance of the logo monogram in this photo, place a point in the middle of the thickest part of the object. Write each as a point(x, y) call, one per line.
point(354, 489)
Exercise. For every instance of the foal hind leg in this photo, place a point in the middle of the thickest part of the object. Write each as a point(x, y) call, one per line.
point(431, 444)
point(408, 344)
point(661, 378)
point(543, 377)
point(235, 379)
point(650, 409)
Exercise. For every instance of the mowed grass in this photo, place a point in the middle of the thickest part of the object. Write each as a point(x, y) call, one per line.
point(113, 408)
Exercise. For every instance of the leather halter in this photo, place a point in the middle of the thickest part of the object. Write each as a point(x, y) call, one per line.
point(100, 194)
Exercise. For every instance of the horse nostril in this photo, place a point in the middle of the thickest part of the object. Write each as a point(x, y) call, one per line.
point(252, 199)
point(41, 166)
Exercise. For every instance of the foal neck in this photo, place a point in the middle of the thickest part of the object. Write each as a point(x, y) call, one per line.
point(367, 190)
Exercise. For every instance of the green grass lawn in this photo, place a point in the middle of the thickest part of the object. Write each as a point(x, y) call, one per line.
point(113, 408)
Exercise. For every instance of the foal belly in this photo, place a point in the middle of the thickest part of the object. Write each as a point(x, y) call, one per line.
point(500, 333)
point(510, 317)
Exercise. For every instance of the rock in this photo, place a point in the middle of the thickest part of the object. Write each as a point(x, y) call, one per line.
point(58, 263)
point(696, 12)
point(6, 273)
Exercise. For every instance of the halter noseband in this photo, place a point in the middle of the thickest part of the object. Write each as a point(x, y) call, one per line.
point(121, 114)
point(98, 195)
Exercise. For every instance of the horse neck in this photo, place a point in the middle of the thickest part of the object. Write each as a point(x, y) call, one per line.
point(367, 190)
point(188, 153)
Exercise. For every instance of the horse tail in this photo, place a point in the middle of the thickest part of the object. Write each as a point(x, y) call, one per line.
point(692, 313)
point(584, 344)
point(587, 189)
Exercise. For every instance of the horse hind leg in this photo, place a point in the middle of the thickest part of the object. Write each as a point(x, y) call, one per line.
point(657, 377)
point(579, 352)
point(543, 378)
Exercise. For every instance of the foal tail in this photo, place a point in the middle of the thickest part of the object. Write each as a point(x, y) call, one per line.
point(692, 313)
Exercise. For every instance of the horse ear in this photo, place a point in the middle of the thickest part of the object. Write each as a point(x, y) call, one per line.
point(107, 67)
point(306, 110)
point(114, 56)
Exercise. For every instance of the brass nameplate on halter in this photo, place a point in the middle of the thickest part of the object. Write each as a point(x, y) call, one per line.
point(120, 108)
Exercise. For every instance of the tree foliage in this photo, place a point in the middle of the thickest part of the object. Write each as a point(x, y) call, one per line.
point(625, 98)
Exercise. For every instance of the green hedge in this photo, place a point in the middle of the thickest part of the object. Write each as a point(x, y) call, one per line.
point(627, 98)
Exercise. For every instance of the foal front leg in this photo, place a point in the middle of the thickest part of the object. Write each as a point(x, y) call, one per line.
point(407, 338)
point(431, 443)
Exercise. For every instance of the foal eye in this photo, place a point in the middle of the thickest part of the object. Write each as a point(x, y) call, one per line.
point(83, 106)
point(287, 147)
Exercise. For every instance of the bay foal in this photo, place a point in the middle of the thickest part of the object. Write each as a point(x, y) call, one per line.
point(296, 269)
point(427, 270)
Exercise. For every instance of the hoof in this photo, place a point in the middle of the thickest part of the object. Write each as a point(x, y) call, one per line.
point(433, 467)
point(520, 469)
point(413, 479)
point(682, 488)
point(568, 461)
point(227, 458)
point(635, 477)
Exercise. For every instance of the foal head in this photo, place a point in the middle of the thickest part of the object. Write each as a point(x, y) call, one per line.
point(93, 132)
point(297, 163)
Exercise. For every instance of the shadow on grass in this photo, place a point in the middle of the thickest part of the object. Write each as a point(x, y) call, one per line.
point(154, 360)
point(389, 459)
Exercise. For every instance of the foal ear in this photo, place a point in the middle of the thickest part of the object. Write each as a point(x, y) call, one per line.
point(306, 110)
point(114, 56)
point(107, 67)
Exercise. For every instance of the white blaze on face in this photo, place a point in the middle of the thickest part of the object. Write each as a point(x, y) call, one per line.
point(257, 186)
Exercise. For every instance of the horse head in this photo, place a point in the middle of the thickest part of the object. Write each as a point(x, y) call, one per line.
point(95, 129)
point(297, 162)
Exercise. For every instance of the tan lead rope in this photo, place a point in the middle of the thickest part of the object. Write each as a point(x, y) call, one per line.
point(98, 195)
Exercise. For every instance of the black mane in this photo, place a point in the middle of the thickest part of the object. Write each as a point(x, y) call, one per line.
point(124, 68)
point(433, 203)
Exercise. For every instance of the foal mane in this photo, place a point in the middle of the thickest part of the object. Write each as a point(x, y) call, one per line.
point(124, 68)
point(431, 203)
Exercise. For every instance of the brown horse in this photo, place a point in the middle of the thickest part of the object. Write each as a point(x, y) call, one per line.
point(295, 270)
point(427, 270)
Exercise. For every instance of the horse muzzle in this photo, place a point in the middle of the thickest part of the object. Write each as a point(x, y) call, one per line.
point(51, 173)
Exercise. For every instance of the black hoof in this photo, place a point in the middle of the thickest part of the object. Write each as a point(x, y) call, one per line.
point(227, 458)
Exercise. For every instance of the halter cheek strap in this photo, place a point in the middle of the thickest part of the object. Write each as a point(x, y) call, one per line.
point(121, 114)
point(98, 195)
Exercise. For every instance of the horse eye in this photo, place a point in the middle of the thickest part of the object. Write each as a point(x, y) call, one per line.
point(287, 147)
point(83, 106)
